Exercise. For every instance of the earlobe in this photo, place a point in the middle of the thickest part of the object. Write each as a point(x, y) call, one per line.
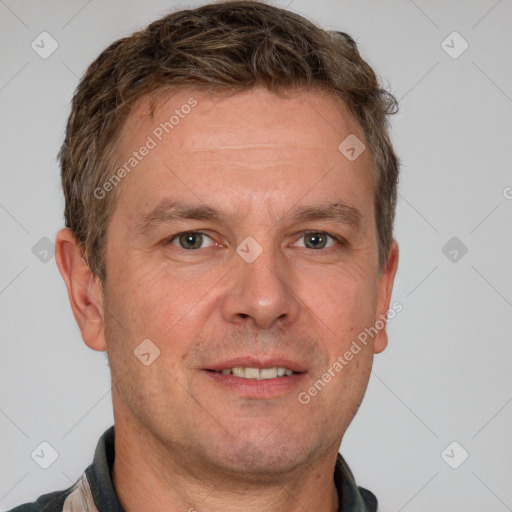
point(385, 289)
point(84, 289)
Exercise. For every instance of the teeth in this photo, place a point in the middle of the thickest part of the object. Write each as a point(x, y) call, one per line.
point(238, 371)
point(252, 373)
point(268, 373)
point(256, 373)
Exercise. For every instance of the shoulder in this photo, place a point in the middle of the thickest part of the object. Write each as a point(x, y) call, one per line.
point(370, 500)
point(51, 502)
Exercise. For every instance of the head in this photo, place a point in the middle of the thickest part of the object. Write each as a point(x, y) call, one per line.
point(212, 208)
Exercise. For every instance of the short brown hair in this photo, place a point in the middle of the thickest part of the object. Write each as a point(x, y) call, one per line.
point(228, 46)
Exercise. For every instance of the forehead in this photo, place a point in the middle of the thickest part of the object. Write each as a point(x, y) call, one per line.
point(250, 115)
point(251, 144)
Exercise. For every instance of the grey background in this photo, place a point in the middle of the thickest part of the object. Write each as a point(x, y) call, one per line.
point(446, 375)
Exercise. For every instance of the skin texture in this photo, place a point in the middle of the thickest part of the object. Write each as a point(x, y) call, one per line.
point(182, 439)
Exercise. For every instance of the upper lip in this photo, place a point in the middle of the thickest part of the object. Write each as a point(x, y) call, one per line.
point(255, 362)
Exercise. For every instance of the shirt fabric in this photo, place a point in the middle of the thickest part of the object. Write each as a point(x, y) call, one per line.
point(94, 490)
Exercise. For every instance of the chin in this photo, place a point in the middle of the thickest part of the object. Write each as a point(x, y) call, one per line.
point(265, 458)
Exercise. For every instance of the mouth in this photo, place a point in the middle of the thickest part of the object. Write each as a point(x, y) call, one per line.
point(250, 378)
point(257, 373)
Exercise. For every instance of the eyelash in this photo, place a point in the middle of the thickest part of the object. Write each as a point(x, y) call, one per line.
point(340, 240)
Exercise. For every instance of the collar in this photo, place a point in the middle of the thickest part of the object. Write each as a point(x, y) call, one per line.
point(94, 491)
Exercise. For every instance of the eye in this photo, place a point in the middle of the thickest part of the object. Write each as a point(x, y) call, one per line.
point(191, 240)
point(319, 240)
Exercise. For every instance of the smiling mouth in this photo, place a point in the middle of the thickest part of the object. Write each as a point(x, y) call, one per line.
point(257, 373)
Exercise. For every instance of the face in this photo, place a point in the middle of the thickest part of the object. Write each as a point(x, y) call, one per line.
point(225, 250)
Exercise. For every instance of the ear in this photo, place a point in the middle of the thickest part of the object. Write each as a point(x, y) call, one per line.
point(385, 288)
point(84, 289)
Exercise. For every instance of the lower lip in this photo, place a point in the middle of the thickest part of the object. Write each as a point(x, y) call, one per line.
point(253, 388)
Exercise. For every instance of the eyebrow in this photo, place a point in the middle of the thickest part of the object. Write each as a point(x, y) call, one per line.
point(168, 211)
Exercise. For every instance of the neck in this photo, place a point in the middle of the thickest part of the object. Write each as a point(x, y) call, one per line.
point(150, 477)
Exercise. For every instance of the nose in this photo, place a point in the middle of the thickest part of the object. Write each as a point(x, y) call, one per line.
point(261, 292)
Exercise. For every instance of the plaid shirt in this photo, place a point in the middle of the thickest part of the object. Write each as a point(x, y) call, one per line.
point(94, 491)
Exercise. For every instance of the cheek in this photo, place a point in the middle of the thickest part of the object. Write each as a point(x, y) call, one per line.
point(166, 305)
point(344, 301)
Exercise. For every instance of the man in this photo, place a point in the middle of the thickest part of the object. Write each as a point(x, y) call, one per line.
point(230, 193)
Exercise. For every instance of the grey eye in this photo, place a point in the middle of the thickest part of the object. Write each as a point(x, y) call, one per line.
point(317, 240)
point(191, 240)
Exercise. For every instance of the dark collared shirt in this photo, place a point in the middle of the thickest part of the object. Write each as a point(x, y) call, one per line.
point(94, 491)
